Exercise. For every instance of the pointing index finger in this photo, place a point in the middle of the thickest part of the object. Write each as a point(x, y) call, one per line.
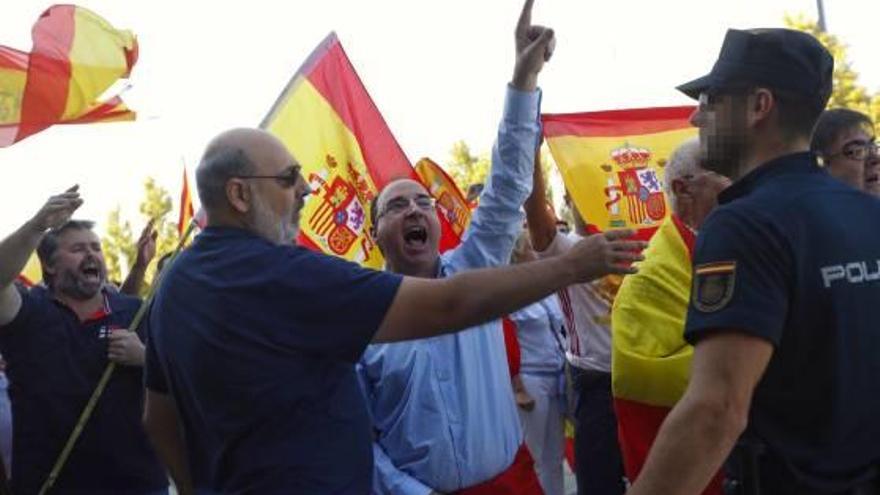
point(525, 17)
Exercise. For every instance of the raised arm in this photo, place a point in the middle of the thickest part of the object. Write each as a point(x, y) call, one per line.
point(146, 251)
point(17, 248)
point(498, 219)
point(428, 307)
point(542, 222)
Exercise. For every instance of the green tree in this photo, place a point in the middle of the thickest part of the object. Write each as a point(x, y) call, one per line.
point(119, 242)
point(466, 168)
point(847, 91)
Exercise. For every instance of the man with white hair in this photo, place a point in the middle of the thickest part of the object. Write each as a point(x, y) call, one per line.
point(650, 358)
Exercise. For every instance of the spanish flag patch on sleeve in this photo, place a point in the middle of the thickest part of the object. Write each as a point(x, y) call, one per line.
point(713, 285)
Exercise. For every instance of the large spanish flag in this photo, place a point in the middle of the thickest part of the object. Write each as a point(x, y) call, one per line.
point(650, 360)
point(76, 57)
point(330, 124)
point(612, 162)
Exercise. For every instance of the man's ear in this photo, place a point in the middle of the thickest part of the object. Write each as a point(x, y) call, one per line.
point(239, 195)
point(48, 268)
point(679, 187)
point(760, 105)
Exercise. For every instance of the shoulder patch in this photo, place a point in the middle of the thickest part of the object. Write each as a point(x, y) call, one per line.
point(713, 285)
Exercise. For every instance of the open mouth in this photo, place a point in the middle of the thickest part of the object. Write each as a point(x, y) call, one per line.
point(415, 236)
point(91, 273)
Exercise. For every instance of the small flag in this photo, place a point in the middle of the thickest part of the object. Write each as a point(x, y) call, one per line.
point(186, 206)
point(452, 205)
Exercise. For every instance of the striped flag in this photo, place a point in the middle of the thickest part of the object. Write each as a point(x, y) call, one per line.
point(75, 58)
point(612, 162)
point(331, 126)
point(186, 206)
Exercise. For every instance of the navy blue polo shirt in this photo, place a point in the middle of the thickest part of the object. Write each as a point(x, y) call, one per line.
point(256, 343)
point(54, 363)
point(792, 256)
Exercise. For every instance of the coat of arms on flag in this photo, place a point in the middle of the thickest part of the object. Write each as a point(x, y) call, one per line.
point(612, 162)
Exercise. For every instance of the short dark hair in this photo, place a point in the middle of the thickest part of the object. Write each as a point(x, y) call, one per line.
point(831, 124)
point(798, 113)
point(215, 169)
point(49, 243)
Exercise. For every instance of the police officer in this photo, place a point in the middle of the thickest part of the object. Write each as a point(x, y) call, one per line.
point(786, 280)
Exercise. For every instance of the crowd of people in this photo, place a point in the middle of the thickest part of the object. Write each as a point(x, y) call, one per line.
point(738, 355)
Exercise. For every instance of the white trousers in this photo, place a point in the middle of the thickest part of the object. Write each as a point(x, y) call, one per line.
point(543, 428)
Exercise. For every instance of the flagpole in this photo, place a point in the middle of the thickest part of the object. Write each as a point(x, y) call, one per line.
point(105, 377)
point(821, 8)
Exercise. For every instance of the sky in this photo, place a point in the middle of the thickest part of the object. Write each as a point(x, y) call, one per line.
point(437, 70)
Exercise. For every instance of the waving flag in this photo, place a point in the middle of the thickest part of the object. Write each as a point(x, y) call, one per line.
point(76, 57)
point(330, 124)
point(612, 162)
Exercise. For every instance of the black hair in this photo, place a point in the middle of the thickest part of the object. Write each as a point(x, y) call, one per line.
point(49, 243)
point(831, 124)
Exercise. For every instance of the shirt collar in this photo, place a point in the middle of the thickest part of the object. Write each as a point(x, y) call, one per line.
point(794, 163)
point(102, 312)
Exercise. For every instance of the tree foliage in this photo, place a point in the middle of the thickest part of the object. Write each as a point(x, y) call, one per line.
point(120, 240)
point(848, 92)
point(466, 169)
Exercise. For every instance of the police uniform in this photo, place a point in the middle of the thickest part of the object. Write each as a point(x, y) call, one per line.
point(792, 256)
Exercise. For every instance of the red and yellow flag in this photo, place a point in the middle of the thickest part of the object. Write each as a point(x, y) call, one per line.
point(76, 57)
point(330, 124)
point(451, 203)
point(186, 206)
point(612, 162)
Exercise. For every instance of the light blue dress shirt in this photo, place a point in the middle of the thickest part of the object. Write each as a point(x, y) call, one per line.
point(443, 408)
point(541, 336)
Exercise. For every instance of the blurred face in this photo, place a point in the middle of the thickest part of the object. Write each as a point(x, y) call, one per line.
point(277, 197)
point(77, 266)
point(853, 159)
point(721, 120)
point(407, 228)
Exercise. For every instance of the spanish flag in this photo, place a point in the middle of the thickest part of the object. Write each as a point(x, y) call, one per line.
point(650, 359)
point(186, 206)
point(612, 162)
point(330, 124)
point(76, 57)
point(451, 203)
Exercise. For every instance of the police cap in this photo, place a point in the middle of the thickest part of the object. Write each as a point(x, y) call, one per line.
point(781, 59)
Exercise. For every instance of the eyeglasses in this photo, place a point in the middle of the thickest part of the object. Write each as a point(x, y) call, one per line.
point(399, 205)
point(287, 180)
point(858, 150)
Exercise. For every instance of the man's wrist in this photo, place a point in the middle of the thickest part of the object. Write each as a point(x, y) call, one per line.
point(524, 81)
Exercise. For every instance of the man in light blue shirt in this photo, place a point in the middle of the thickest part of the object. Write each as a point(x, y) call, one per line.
point(442, 408)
